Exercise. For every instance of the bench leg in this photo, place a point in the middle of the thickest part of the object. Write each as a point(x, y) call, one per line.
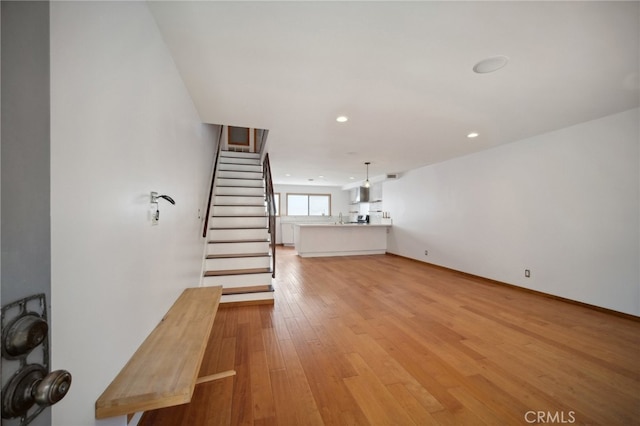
point(217, 376)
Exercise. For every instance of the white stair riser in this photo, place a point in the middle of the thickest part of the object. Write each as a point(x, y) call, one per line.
point(238, 200)
point(249, 297)
point(238, 222)
point(245, 190)
point(239, 175)
point(237, 248)
point(236, 281)
point(250, 183)
point(238, 154)
point(239, 211)
point(237, 234)
point(237, 263)
point(240, 167)
point(236, 160)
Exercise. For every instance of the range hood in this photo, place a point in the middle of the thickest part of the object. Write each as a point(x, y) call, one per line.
point(363, 194)
point(363, 191)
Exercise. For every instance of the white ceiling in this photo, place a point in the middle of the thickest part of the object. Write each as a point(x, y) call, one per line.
point(402, 73)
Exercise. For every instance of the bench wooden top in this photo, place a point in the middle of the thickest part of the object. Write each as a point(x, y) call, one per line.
point(164, 370)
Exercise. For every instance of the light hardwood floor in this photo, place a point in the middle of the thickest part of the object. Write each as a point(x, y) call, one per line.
point(384, 340)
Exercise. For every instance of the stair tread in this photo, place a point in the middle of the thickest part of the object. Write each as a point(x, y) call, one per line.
point(239, 178)
point(245, 154)
point(238, 241)
point(253, 204)
point(218, 228)
point(262, 204)
point(243, 216)
point(235, 226)
point(239, 215)
point(239, 205)
point(237, 186)
point(231, 256)
point(249, 289)
point(237, 272)
point(240, 195)
point(234, 157)
point(240, 190)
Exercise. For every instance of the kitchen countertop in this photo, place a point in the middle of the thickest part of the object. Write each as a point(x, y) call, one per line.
point(337, 225)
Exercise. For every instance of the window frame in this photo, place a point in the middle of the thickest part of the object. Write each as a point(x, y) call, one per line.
point(308, 195)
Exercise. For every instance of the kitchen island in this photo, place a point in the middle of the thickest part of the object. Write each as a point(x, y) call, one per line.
point(329, 239)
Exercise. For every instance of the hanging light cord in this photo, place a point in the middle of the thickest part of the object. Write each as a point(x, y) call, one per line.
point(366, 183)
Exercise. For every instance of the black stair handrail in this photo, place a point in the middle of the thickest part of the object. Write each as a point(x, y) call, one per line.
point(213, 180)
point(271, 209)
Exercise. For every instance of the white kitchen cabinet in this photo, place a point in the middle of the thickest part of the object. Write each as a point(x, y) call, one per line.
point(328, 239)
point(286, 231)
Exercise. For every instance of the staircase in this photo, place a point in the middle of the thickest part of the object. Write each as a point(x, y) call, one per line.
point(239, 256)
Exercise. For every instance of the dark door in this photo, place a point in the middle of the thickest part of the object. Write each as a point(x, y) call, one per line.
point(25, 264)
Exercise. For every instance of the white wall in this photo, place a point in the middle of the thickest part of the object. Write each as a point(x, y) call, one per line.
point(565, 205)
point(122, 125)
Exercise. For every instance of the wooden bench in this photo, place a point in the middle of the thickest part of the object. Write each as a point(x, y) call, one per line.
point(164, 370)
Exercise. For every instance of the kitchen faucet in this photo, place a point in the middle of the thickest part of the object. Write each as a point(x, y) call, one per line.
point(340, 216)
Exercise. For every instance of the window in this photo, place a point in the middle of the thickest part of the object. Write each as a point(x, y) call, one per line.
point(309, 204)
point(238, 136)
point(276, 199)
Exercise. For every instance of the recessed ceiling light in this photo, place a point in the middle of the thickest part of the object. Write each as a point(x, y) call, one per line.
point(473, 135)
point(351, 177)
point(342, 119)
point(287, 174)
point(321, 177)
point(491, 64)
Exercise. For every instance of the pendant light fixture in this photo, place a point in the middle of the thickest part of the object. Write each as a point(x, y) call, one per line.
point(367, 184)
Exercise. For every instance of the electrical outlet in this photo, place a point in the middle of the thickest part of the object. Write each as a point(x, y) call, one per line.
point(154, 215)
point(426, 252)
point(527, 273)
